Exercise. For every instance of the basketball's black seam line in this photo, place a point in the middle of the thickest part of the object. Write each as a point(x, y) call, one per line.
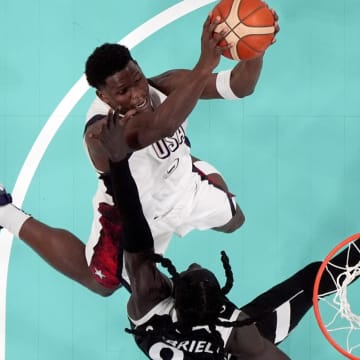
point(254, 11)
point(231, 29)
point(242, 21)
point(243, 40)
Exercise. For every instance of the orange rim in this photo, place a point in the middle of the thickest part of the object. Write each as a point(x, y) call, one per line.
point(316, 295)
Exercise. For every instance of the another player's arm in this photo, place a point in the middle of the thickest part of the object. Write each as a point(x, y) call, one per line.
point(98, 157)
point(148, 285)
point(246, 343)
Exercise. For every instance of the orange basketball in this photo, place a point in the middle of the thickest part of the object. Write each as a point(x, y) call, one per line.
point(249, 25)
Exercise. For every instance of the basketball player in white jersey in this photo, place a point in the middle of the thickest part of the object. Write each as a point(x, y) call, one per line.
point(178, 192)
point(188, 315)
point(172, 190)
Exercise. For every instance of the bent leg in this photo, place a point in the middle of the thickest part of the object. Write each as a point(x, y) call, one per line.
point(61, 249)
point(234, 223)
point(235, 217)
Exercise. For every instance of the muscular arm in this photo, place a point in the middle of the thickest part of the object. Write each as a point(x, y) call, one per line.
point(244, 77)
point(145, 128)
point(148, 285)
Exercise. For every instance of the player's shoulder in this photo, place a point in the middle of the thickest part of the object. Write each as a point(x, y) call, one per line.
point(97, 109)
point(169, 80)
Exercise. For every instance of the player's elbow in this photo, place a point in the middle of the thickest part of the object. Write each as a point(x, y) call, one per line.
point(244, 92)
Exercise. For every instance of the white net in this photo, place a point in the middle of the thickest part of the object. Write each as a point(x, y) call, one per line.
point(340, 308)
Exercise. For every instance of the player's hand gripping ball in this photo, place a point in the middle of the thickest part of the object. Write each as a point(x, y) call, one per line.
point(249, 25)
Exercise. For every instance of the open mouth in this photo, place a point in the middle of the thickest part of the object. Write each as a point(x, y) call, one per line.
point(142, 105)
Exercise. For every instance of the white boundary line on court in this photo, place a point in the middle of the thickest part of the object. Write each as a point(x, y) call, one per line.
point(52, 125)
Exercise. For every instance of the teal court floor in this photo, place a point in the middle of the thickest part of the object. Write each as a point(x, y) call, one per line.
point(290, 152)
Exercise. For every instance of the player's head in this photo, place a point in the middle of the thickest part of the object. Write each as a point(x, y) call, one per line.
point(199, 298)
point(106, 60)
point(117, 78)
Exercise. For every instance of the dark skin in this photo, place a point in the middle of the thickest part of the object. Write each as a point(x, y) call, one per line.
point(150, 286)
point(62, 249)
point(129, 90)
point(127, 93)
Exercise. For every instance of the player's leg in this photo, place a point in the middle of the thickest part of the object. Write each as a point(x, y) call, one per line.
point(61, 249)
point(281, 308)
point(208, 173)
point(104, 250)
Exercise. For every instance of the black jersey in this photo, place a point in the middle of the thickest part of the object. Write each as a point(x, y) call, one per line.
point(159, 340)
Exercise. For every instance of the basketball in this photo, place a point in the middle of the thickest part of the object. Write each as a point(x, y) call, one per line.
point(249, 25)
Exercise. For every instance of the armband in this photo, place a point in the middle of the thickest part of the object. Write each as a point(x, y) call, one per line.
point(223, 85)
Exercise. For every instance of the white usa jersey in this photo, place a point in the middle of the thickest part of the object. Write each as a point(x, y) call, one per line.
point(162, 172)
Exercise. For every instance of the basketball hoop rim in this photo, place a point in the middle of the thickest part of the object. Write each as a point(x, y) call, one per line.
point(315, 298)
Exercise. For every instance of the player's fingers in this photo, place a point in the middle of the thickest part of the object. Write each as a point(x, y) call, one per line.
point(222, 48)
point(221, 34)
point(116, 116)
point(125, 118)
point(214, 24)
point(276, 17)
point(206, 22)
point(109, 118)
point(97, 132)
point(277, 28)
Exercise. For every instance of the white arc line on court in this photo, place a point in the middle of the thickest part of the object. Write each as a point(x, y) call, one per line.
point(52, 125)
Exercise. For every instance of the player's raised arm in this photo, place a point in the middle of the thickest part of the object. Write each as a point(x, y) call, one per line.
point(149, 125)
point(146, 128)
point(148, 285)
point(249, 43)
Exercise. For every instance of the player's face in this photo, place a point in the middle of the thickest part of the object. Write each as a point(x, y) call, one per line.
point(127, 89)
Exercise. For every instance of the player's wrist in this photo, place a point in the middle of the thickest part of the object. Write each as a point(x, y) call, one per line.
point(202, 68)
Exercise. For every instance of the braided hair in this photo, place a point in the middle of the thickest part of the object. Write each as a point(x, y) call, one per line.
point(199, 300)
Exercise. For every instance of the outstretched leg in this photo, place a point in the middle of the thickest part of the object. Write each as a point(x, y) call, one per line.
point(213, 176)
point(61, 249)
point(280, 309)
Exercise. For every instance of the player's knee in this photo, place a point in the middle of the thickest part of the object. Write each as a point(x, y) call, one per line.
point(235, 223)
point(99, 289)
point(105, 292)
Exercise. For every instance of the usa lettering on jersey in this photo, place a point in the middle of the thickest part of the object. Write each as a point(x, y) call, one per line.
point(164, 147)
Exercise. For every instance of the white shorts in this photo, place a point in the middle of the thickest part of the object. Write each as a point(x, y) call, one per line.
point(203, 206)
